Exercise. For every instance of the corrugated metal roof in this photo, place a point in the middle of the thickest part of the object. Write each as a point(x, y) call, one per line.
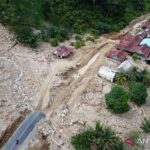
point(134, 46)
point(63, 51)
point(119, 55)
point(107, 73)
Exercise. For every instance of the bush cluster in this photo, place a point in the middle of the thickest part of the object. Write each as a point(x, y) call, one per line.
point(102, 138)
point(79, 43)
point(137, 92)
point(117, 100)
point(137, 81)
point(139, 76)
point(59, 17)
point(145, 125)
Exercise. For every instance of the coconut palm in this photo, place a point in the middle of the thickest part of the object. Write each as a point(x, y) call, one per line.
point(121, 78)
point(101, 138)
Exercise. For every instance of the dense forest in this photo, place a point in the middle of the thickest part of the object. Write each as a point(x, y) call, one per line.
point(54, 20)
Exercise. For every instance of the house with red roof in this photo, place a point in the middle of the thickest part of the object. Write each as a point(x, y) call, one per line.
point(140, 44)
point(117, 55)
point(63, 51)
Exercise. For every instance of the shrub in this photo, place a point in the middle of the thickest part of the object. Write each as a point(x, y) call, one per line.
point(90, 38)
point(101, 27)
point(72, 43)
point(55, 31)
point(121, 78)
point(79, 44)
point(146, 77)
point(103, 138)
point(138, 92)
point(139, 76)
point(135, 57)
point(134, 74)
point(117, 100)
point(78, 37)
point(54, 42)
point(59, 38)
point(79, 28)
point(26, 36)
point(145, 125)
point(45, 34)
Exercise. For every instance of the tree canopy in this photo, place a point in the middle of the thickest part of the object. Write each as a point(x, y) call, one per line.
point(79, 16)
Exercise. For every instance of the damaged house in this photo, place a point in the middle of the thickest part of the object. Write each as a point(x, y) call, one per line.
point(140, 44)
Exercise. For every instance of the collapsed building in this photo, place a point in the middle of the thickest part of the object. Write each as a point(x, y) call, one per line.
point(139, 44)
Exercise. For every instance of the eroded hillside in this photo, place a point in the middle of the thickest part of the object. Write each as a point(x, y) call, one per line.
point(68, 91)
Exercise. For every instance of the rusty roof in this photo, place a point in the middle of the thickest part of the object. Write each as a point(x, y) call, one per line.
point(116, 54)
point(63, 51)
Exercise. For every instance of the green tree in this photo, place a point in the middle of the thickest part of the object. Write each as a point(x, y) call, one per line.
point(117, 100)
point(145, 125)
point(140, 5)
point(79, 16)
point(137, 92)
point(103, 138)
point(121, 78)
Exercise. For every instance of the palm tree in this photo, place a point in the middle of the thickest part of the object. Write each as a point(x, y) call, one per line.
point(100, 138)
point(121, 78)
point(106, 138)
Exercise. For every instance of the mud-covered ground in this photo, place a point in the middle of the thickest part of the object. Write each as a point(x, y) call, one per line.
point(68, 91)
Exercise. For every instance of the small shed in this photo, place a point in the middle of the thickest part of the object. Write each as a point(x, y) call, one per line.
point(63, 51)
point(126, 66)
point(107, 73)
point(119, 55)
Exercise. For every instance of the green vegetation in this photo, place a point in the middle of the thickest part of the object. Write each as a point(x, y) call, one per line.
point(78, 37)
point(102, 138)
point(33, 20)
point(54, 42)
point(90, 38)
point(137, 135)
point(146, 77)
point(121, 78)
point(117, 100)
point(137, 92)
point(137, 82)
point(145, 126)
point(135, 74)
point(136, 57)
point(79, 43)
point(139, 76)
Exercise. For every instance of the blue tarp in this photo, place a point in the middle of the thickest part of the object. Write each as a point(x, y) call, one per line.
point(146, 41)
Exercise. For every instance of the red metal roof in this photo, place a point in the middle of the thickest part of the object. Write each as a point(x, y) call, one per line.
point(125, 42)
point(130, 41)
point(63, 51)
point(118, 55)
point(132, 45)
point(143, 50)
